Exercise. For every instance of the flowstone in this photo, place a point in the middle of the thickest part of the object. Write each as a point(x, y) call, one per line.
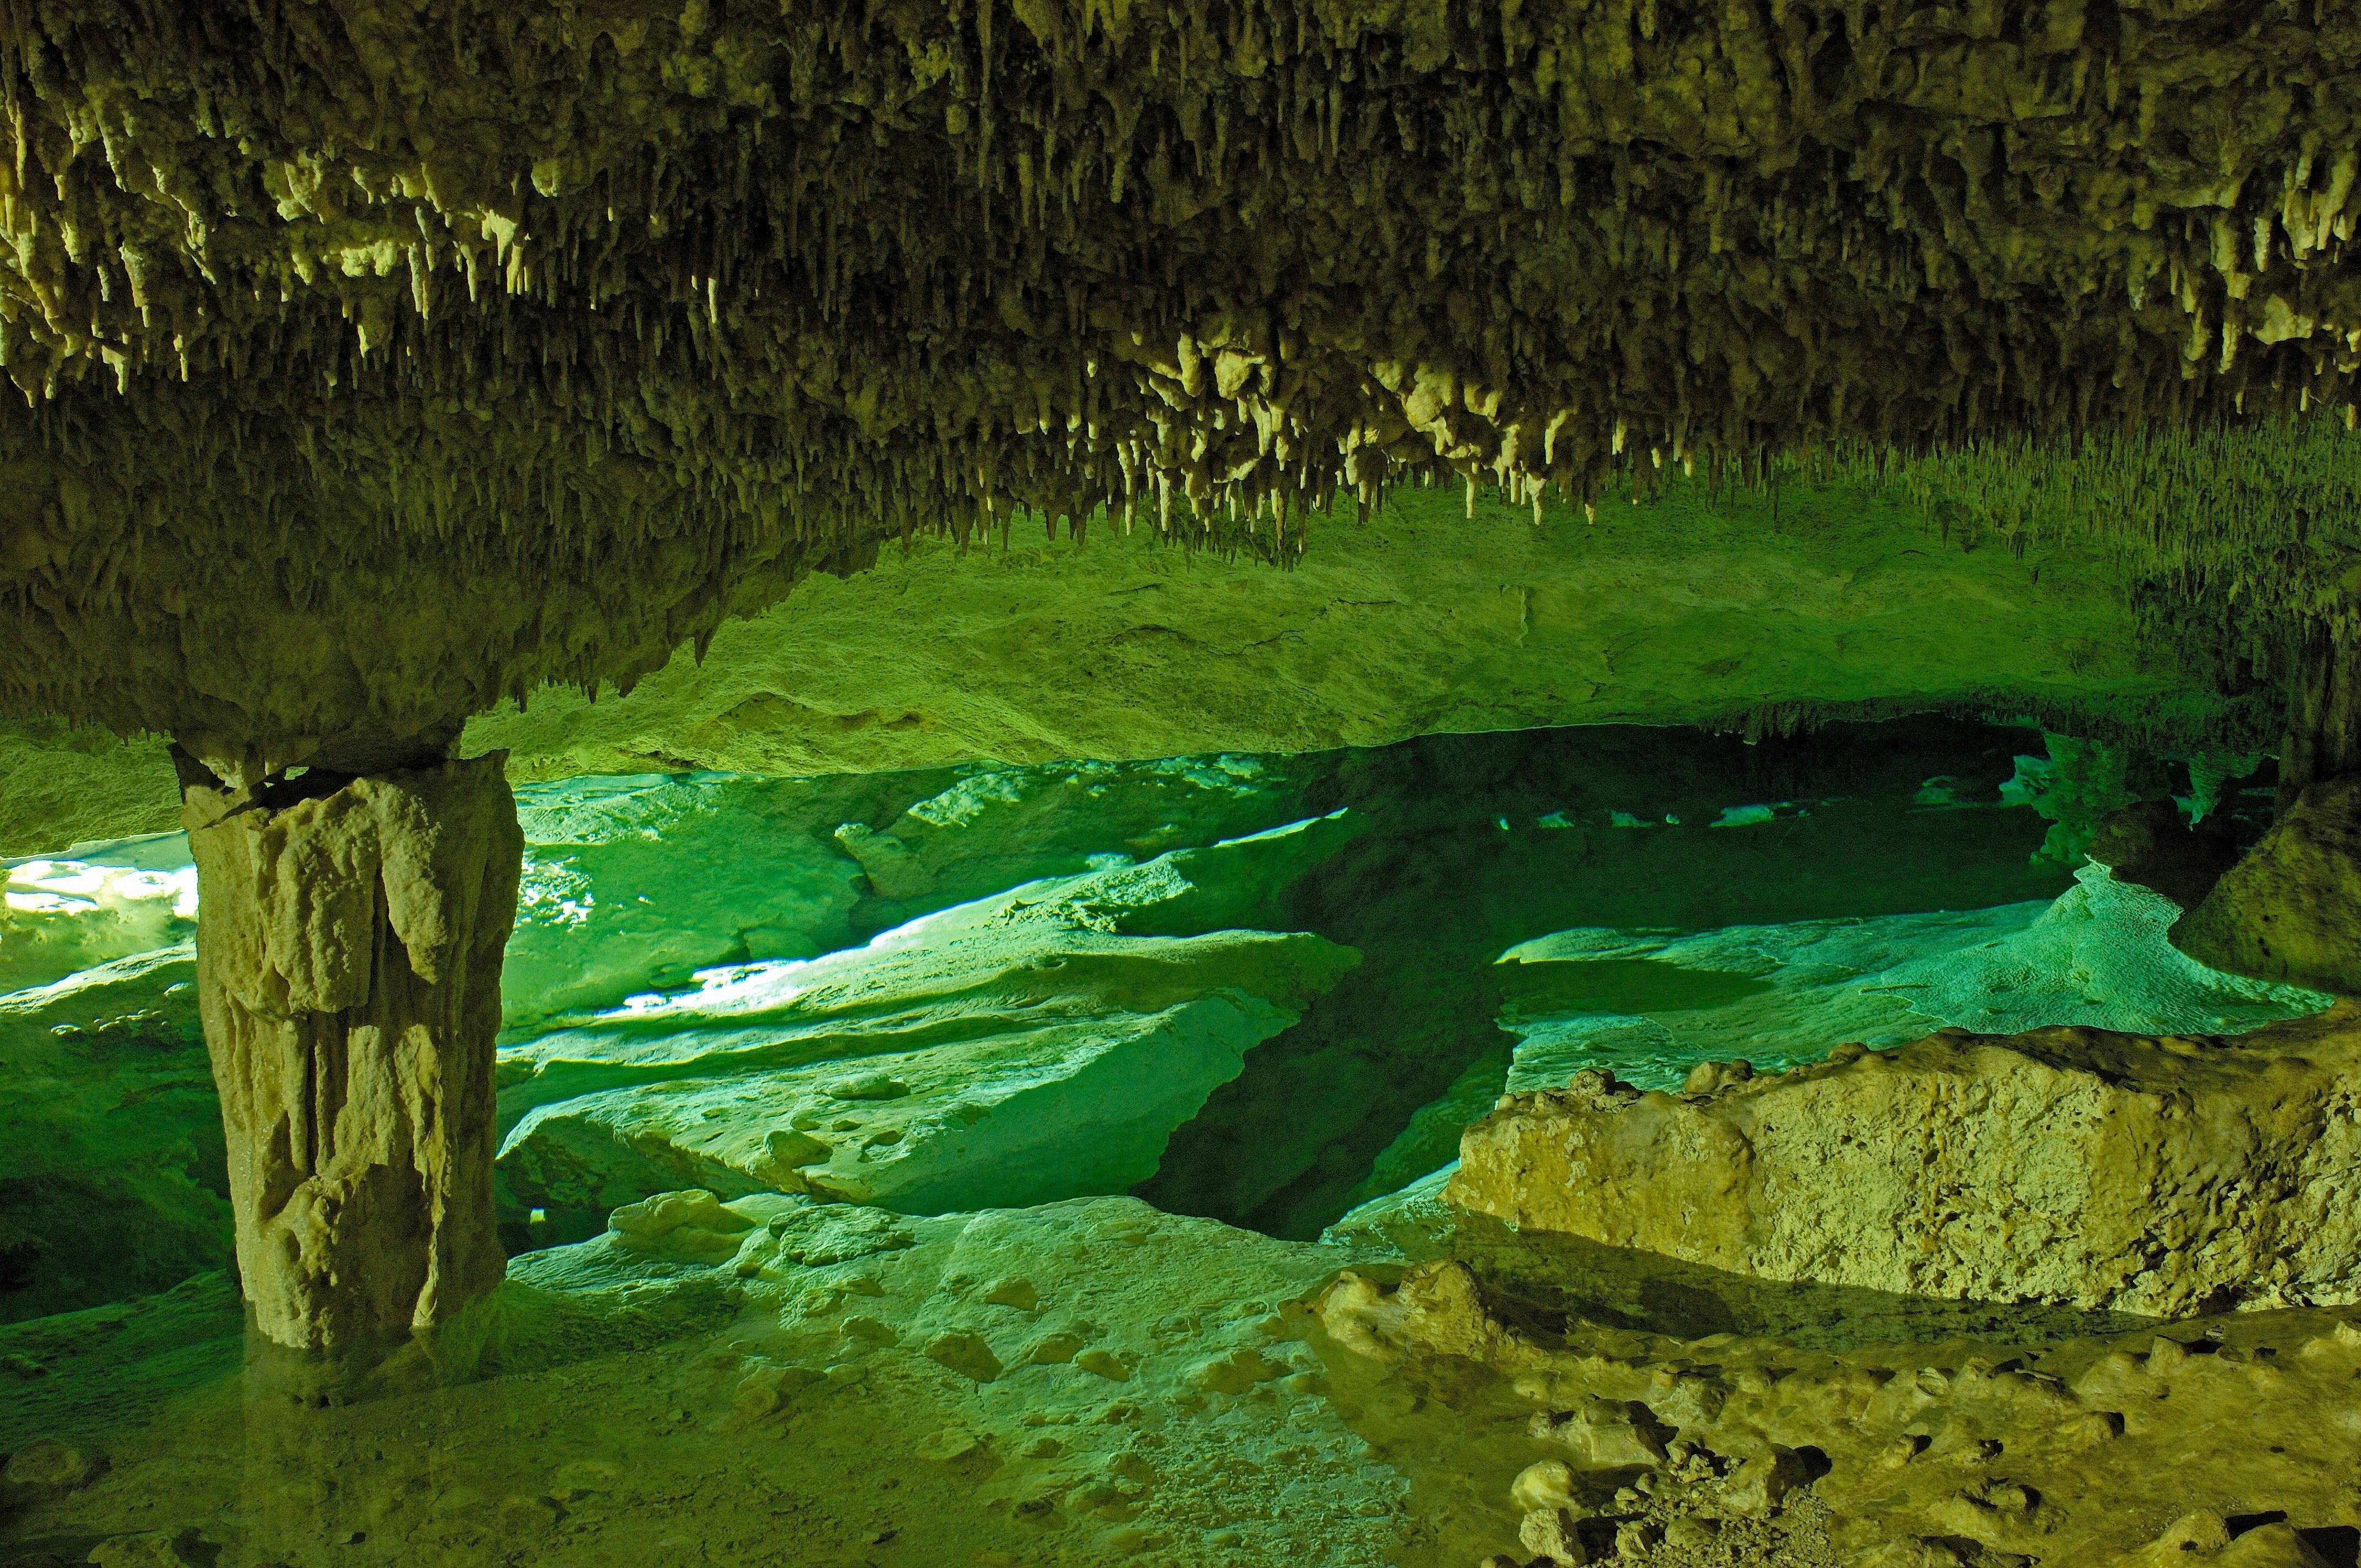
point(348, 963)
point(1652, 1007)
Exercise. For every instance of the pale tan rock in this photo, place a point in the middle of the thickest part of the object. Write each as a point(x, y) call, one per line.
point(1549, 1533)
point(2204, 1537)
point(1546, 1484)
point(2163, 1176)
point(348, 959)
point(965, 1353)
point(1606, 1433)
point(2292, 910)
point(1760, 1486)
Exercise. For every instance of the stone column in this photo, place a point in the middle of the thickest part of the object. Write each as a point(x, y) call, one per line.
point(350, 937)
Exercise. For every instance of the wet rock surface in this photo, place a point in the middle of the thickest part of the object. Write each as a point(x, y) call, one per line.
point(1013, 1051)
point(2163, 1176)
point(738, 1363)
point(1747, 1448)
point(2148, 844)
point(2292, 910)
point(113, 1175)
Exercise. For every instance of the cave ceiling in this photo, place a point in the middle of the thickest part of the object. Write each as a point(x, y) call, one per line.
point(375, 360)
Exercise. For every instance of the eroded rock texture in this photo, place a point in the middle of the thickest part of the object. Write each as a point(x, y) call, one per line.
point(383, 360)
point(348, 962)
point(2292, 910)
point(1655, 1448)
point(2159, 1176)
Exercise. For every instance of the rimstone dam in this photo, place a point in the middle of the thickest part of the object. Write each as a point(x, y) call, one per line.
point(1210, 784)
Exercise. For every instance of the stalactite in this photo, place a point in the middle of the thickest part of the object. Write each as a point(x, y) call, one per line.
point(868, 323)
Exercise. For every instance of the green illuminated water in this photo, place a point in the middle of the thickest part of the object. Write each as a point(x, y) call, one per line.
point(927, 1028)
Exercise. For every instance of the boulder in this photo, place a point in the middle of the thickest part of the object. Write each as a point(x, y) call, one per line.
point(2166, 1175)
point(2292, 910)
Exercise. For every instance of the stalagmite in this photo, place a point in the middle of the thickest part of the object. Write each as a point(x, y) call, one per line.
point(348, 962)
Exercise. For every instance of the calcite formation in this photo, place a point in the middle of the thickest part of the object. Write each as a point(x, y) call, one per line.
point(379, 361)
point(2163, 1176)
point(348, 962)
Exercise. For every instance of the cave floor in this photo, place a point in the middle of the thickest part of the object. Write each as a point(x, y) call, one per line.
point(1094, 1382)
point(788, 1288)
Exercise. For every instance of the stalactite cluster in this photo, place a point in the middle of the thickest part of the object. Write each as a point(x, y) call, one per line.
point(379, 359)
point(2237, 544)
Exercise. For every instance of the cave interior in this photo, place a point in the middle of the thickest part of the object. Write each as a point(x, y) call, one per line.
point(1428, 783)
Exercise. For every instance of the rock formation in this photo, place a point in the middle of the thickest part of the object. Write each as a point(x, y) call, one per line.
point(2162, 1175)
point(1015, 1051)
point(349, 964)
point(2292, 910)
point(379, 363)
point(1955, 1450)
point(112, 1180)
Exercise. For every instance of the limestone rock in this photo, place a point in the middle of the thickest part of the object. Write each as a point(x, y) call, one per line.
point(1380, 633)
point(155, 1548)
point(2204, 1537)
point(1923, 1448)
point(348, 962)
point(1016, 1050)
point(1759, 1488)
point(1605, 1434)
point(1091, 1408)
point(48, 1464)
point(602, 913)
point(66, 913)
point(2163, 1176)
point(1652, 1004)
point(1550, 1534)
point(2097, 955)
point(2292, 910)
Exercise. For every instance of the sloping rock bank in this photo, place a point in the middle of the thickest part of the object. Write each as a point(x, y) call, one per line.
point(113, 1175)
point(772, 1381)
point(2292, 910)
point(1014, 1050)
point(2156, 1175)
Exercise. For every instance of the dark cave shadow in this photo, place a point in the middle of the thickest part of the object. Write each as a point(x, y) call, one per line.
point(1543, 1282)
